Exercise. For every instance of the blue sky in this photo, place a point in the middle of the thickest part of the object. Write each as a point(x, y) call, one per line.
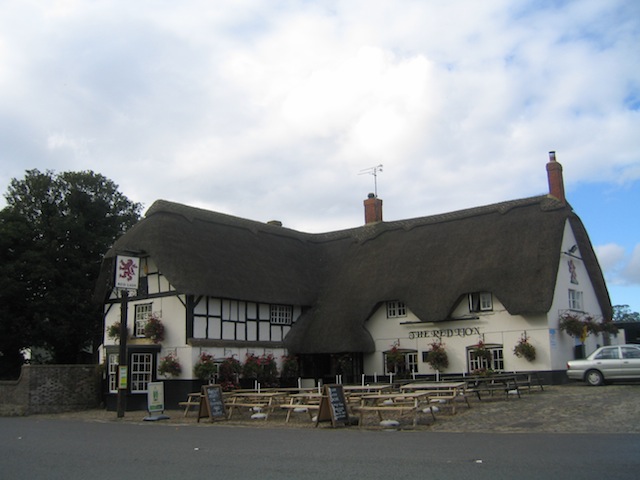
point(269, 110)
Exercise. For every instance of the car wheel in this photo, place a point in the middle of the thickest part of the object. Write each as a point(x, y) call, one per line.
point(594, 378)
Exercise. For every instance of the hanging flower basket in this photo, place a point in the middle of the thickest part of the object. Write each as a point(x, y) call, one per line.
point(437, 357)
point(205, 368)
point(481, 351)
point(169, 366)
point(154, 329)
point(572, 325)
point(113, 331)
point(524, 349)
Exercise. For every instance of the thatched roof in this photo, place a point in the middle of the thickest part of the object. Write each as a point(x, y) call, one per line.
point(511, 249)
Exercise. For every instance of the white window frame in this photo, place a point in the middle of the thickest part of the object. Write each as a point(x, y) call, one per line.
point(576, 300)
point(410, 362)
point(141, 369)
point(281, 314)
point(142, 313)
point(480, 302)
point(396, 309)
point(113, 359)
point(496, 363)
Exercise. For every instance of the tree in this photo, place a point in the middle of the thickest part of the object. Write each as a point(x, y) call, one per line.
point(622, 313)
point(54, 232)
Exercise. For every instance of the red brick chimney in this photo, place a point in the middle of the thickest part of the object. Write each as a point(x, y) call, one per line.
point(554, 175)
point(372, 209)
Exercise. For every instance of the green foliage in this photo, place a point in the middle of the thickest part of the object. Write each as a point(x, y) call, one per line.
point(205, 368)
point(524, 349)
point(228, 373)
point(290, 367)
point(154, 329)
point(169, 366)
point(263, 369)
point(580, 326)
point(622, 313)
point(54, 231)
point(437, 357)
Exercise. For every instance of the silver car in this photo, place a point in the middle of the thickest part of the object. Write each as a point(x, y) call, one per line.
point(620, 362)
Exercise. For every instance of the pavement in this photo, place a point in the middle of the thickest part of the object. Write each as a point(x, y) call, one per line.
point(570, 408)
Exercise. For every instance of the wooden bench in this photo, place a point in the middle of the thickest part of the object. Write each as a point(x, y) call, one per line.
point(505, 384)
point(402, 409)
point(300, 408)
point(448, 398)
point(193, 400)
point(255, 407)
point(528, 380)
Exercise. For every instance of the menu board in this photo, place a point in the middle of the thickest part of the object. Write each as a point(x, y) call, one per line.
point(211, 403)
point(333, 406)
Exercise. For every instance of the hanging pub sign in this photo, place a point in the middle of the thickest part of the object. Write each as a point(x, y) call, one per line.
point(127, 272)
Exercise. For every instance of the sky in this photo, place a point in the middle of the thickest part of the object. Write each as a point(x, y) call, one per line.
point(280, 110)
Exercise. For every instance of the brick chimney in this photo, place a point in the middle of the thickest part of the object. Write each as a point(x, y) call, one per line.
point(372, 209)
point(554, 175)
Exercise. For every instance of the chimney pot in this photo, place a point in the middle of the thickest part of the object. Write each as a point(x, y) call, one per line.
point(372, 209)
point(554, 177)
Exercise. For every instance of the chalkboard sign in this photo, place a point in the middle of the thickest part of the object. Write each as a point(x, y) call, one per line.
point(211, 403)
point(333, 406)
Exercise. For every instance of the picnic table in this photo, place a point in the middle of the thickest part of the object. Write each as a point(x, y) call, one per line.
point(411, 403)
point(505, 383)
point(258, 402)
point(193, 400)
point(305, 402)
point(441, 392)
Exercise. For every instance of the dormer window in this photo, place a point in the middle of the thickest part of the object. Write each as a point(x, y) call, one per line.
point(480, 302)
point(396, 309)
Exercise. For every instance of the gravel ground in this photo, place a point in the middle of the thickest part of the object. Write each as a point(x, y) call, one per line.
point(571, 408)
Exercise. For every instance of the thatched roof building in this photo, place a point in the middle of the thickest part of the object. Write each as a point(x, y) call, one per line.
point(511, 249)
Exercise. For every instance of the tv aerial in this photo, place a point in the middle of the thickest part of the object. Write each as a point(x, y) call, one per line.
point(372, 171)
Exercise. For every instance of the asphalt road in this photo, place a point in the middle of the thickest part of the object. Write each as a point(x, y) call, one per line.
point(52, 448)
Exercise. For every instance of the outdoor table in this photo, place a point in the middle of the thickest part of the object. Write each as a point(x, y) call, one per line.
point(409, 402)
point(308, 402)
point(442, 392)
point(256, 401)
point(193, 400)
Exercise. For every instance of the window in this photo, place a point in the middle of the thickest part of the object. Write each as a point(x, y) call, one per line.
point(405, 362)
point(575, 300)
point(495, 362)
point(608, 354)
point(630, 352)
point(281, 314)
point(141, 368)
point(480, 302)
point(112, 368)
point(143, 311)
point(396, 309)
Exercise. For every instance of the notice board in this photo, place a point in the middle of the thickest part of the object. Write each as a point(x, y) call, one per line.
point(333, 406)
point(212, 403)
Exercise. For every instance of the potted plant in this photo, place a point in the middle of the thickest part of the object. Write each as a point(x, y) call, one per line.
point(437, 357)
point(228, 372)
point(524, 349)
point(290, 367)
point(572, 325)
point(205, 368)
point(154, 329)
point(169, 366)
